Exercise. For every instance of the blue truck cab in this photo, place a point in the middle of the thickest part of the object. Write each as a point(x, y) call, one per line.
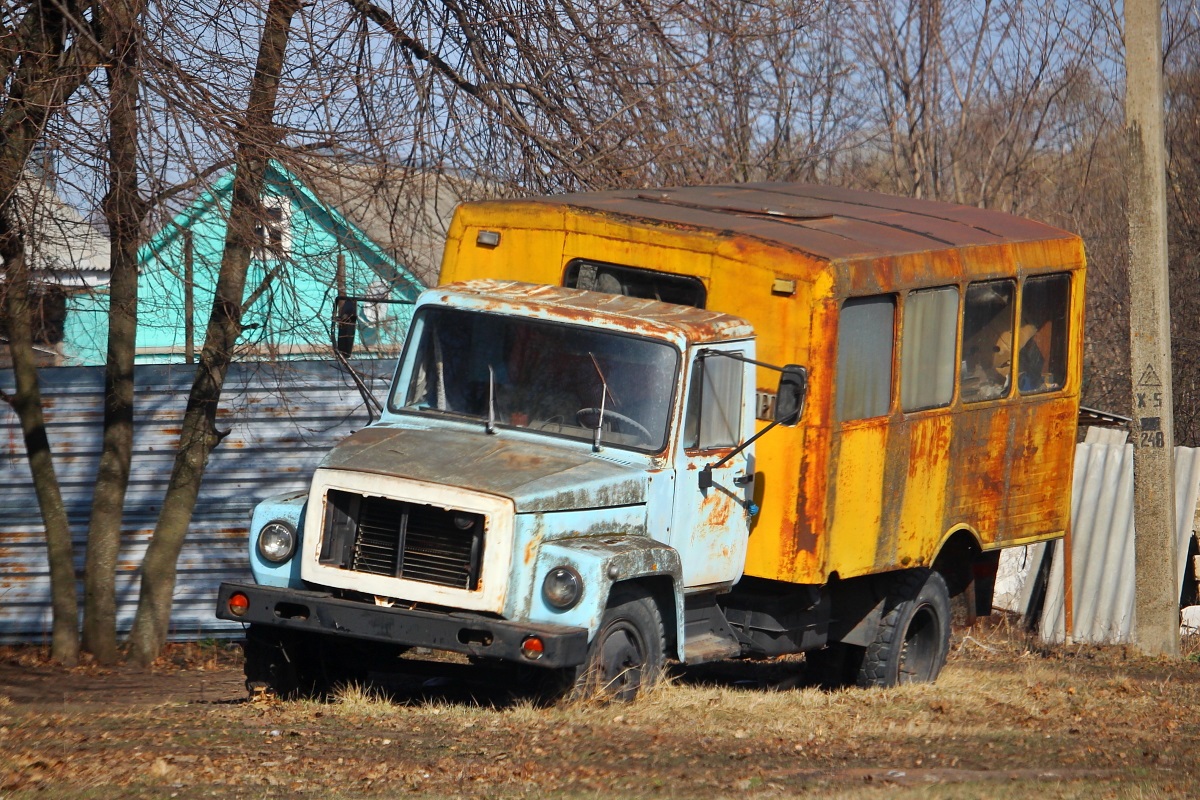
point(560, 478)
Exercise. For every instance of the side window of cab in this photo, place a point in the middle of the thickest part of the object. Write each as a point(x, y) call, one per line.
point(714, 407)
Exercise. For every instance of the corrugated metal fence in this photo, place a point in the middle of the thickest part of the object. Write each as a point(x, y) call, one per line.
point(282, 418)
point(1102, 544)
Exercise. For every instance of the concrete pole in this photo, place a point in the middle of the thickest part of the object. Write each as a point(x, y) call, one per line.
point(1156, 612)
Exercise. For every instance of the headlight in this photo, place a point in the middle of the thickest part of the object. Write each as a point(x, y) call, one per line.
point(277, 542)
point(562, 588)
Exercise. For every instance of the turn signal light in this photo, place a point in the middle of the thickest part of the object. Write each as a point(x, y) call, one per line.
point(533, 647)
point(239, 604)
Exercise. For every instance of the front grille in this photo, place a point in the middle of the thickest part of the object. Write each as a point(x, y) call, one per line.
point(379, 536)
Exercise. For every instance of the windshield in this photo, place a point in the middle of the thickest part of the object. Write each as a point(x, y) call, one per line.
point(541, 376)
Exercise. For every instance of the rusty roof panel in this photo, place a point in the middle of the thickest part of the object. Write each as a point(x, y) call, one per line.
point(631, 314)
point(826, 222)
point(282, 420)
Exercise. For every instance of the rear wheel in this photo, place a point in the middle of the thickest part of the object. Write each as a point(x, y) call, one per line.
point(834, 666)
point(626, 656)
point(913, 638)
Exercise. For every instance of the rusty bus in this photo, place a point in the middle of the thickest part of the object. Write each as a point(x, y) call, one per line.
point(695, 423)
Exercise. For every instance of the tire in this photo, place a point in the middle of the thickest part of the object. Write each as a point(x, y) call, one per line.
point(834, 666)
point(280, 664)
point(914, 635)
point(626, 655)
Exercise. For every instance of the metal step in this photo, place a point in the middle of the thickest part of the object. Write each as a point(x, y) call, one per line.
point(709, 647)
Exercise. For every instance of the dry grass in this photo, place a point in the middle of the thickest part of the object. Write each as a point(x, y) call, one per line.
point(359, 700)
point(1008, 719)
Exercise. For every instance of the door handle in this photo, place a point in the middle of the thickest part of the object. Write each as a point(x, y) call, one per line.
point(742, 480)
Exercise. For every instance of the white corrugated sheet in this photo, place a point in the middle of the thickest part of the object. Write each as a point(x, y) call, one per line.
point(282, 417)
point(1095, 435)
point(1102, 566)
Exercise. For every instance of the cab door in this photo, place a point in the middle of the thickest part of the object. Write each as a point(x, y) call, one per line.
point(711, 524)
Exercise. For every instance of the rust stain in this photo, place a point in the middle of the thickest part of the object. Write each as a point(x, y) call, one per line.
point(524, 461)
point(718, 506)
point(621, 313)
point(531, 550)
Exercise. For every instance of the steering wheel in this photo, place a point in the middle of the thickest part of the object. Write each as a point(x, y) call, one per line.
point(582, 415)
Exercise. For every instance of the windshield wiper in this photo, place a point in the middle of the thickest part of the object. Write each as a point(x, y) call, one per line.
point(491, 417)
point(603, 393)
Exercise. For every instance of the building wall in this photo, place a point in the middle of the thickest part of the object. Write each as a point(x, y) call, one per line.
point(290, 319)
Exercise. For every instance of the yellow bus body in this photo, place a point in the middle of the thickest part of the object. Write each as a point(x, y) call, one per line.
point(837, 498)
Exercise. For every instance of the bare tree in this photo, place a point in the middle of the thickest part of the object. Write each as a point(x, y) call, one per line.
point(124, 210)
point(257, 138)
point(48, 52)
point(1183, 204)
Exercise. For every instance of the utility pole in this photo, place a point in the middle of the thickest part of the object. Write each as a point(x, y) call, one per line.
point(1156, 608)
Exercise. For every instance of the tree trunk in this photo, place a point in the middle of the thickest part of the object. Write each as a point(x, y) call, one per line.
point(123, 211)
point(40, 72)
point(199, 436)
point(27, 402)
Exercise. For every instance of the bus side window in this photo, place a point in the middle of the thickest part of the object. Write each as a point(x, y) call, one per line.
point(1042, 357)
point(987, 351)
point(866, 330)
point(927, 348)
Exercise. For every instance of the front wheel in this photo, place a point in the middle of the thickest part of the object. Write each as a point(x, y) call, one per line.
point(626, 657)
point(292, 665)
point(914, 635)
point(279, 665)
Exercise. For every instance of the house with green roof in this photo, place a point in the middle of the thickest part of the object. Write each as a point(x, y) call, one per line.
point(314, 245)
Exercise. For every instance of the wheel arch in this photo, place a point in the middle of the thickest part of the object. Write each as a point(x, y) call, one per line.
point(969, 571)
point(661, 589)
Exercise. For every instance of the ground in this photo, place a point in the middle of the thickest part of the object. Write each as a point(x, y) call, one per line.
point(1008, 718)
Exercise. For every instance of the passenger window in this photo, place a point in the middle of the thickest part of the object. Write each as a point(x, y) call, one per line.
point(1042, 357)
point(714, 413)
point(866, 330)
point(987, 349)
point(927, 349)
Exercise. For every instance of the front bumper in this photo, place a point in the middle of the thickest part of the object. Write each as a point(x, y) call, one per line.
point(459, 632)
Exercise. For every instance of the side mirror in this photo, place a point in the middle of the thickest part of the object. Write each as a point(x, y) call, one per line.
point(345, 325)
point(789, 399)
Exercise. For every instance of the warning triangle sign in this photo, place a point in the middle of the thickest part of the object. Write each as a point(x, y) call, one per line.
point(1149, 377)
